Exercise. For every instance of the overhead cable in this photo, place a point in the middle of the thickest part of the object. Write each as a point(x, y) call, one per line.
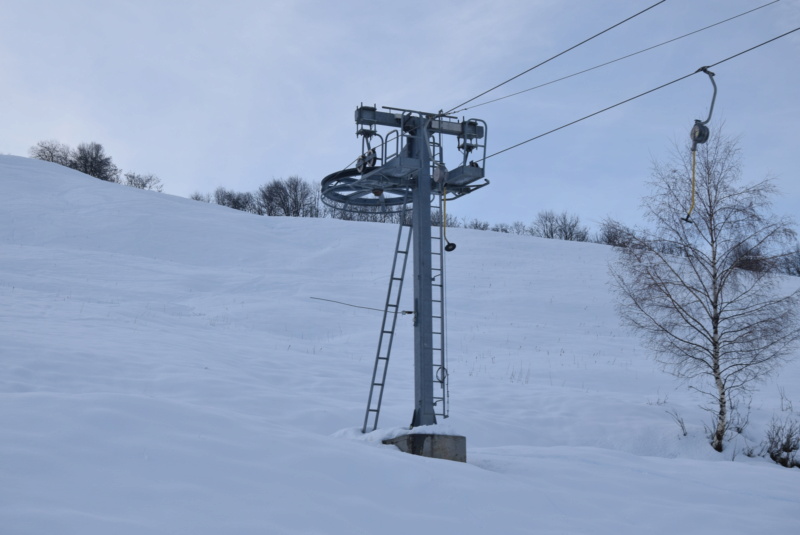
point(701, 69)
point(554, 57)
point(615, 60)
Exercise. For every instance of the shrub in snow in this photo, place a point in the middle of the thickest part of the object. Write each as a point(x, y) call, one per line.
point(783, 442)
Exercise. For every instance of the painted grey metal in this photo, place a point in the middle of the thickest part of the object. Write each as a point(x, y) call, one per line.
point(384, 186)
point(713, 97)
point(389, 324)
point(423, 307)
point(406, 169)
point(397, 118)
point(441, 400)
point(699, 132)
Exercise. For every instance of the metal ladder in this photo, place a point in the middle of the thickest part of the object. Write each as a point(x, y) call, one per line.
point(441, 395)
point(389, 324)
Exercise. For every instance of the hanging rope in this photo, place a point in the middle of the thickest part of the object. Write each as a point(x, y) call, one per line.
point(691, 206)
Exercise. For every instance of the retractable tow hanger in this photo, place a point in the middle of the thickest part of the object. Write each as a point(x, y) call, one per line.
point(699, 135)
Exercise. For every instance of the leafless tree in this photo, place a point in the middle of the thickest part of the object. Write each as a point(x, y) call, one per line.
point(293, 197)
point(437, 219)
point(561, 226)
point(91, 158)
point(202, 197)
point(612, 233)
point(243, 201)
point(519, 228)
point(476, 224)
point(544, 226)
point(148, 181)
point(51, 151)
point(683, 287)
point(791, 262)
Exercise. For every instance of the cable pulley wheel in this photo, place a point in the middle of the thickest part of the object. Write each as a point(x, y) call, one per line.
point(347, 188)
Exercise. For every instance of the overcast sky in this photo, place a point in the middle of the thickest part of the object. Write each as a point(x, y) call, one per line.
point(236, 93)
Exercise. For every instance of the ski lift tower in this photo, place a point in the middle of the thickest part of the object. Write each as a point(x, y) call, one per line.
point(397, 172)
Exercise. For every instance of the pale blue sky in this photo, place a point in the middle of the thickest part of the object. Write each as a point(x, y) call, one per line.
point(235, 93)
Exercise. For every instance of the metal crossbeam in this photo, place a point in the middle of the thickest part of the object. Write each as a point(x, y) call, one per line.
point(439, 124)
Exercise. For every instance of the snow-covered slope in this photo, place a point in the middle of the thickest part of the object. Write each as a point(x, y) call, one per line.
point(164, 369)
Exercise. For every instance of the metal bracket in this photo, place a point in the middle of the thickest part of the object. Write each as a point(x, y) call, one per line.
point(700, 133)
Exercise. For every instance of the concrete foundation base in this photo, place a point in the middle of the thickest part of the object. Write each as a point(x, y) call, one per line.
point(450, 447)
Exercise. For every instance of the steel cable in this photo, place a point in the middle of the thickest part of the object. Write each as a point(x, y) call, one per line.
point(554, 57)
point(615, 60)
point(641, 94)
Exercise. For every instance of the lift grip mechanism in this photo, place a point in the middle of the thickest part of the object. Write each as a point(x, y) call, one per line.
point(699, 135)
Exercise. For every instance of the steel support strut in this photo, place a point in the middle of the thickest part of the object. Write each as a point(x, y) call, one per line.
point(423, 289)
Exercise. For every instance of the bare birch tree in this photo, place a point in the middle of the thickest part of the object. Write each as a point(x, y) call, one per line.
point(688, 289)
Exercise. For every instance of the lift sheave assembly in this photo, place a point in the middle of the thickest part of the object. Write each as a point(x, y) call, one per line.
point(389, 166)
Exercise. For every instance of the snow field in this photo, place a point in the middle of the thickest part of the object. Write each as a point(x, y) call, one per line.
point(164, 369)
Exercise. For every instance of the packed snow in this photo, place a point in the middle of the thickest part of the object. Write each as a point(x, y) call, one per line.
point(166, 369)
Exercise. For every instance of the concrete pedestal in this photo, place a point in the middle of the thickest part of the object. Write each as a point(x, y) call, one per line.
point(450, 447)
